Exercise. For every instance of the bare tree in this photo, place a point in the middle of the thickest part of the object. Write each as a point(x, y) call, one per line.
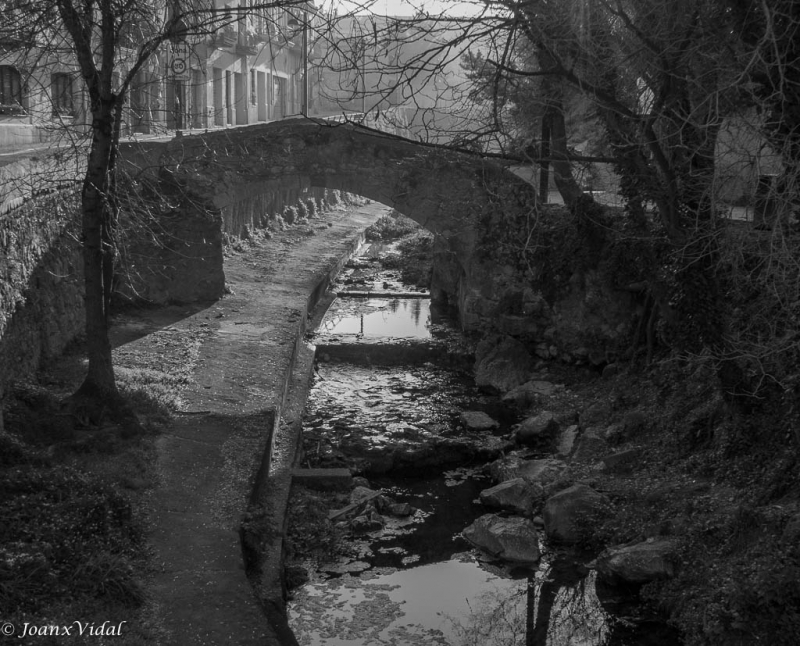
point(658, 82)
point(108, 42)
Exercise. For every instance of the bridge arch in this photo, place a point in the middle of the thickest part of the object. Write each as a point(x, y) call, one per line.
point(458, 196)
point(441, 189)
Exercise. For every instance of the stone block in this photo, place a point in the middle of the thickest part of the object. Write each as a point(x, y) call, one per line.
point(324, 479)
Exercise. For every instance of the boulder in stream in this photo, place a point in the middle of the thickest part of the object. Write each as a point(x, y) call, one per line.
point(639, 563)
point(517, 495)
point(544, 472)
point(591, 445)
point(537, 428)
point(529, 393)
point(476, 420)
point(512, 539)
point(569, 514)
point(566, 440)
point(501, 363)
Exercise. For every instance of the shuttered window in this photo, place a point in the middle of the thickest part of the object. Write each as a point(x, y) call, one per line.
point(10, 90)
point(61, 95)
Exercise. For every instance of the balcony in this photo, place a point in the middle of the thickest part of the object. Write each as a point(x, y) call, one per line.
point(15, 39)
point(12, 110)
point(226, 38)
point(246, 45)
point(265, 33)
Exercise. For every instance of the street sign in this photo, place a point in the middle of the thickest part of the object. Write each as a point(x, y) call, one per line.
point(179, 63)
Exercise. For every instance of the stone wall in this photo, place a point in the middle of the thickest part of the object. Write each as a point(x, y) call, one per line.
point(41, 283)
point(543, 281)
point(174, 256)
point(257, 205)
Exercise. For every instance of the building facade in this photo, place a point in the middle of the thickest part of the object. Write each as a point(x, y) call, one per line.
point(250, 69)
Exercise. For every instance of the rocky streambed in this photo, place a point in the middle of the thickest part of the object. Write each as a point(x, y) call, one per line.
point(472, 500)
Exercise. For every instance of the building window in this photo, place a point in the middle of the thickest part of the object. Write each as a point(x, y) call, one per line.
point(61, 95)
point(10, 90)
point(253, 95)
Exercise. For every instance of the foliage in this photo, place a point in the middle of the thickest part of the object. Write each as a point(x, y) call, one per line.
point(311, 205)
point(302, 210)
point(311, 534)
point(390, 227)
point(65, 536)
point(290, 215)
point(417, 259)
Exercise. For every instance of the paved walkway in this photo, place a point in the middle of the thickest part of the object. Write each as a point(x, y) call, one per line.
point(209, 460)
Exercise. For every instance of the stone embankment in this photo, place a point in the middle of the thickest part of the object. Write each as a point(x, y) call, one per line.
point(559, 497)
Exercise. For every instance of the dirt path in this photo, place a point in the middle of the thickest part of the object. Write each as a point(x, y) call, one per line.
point(243, 350)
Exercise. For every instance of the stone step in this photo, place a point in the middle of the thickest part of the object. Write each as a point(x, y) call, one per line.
point(339, 479)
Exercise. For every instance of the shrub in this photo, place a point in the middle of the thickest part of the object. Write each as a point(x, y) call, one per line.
point(391, 227)
point(290, 214)
point(335, 197)
point(302, 210)
point(311, 205)
point(64, 533)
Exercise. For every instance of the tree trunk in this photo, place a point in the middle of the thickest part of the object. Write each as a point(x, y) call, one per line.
point(554, 116)
point(96, 221)
point(562, 169)
point(544, 167)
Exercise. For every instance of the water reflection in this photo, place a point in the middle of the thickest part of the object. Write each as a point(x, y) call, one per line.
point(451, 603)
point(552, 608)
point(396, 317)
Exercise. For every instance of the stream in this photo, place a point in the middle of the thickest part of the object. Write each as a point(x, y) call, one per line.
point(391, 383)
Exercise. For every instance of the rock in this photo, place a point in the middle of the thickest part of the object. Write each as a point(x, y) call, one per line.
point(399, 509)
point(537, 428)
point(544, 471)
point(360, 493)
point(591, 446)
point(542, 351)
point(611, 370)
point(476, 420)
point(622, 461)
point(366, 523)
point(566, 441)
point(501, 363)
point(517, 495)
point(513, 539)
point(295, 576)
point(647, 561)
point(614, 434)
point(595, 414)
point(569, 514)
point(528, 394)
point(791, 533)
point(540, 387)
point(633, 423)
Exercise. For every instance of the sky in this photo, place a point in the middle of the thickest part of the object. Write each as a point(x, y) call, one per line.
point(406, 7)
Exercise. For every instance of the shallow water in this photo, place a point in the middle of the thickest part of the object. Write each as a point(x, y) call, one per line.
point(417, 581)
point(378, 318)
point(430, 604)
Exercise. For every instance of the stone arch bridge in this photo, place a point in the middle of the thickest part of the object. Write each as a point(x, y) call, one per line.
point(218, 181)
point(450, 193)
